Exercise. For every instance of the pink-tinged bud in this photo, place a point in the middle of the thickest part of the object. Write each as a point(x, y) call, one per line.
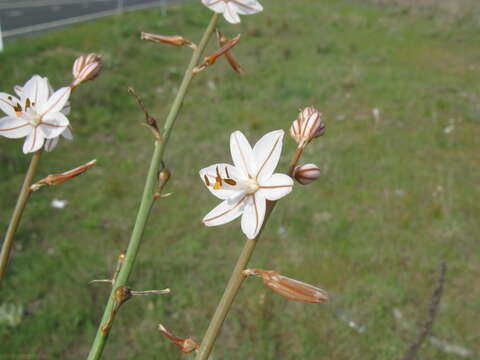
point(175, 40)
point(308, 126)
point(307, 173)
point(86, 68)
point(186, 345)
point(289, 288)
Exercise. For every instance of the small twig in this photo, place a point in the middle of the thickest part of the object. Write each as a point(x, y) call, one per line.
point(432, 312)
point(150, 121)
point(120, 261)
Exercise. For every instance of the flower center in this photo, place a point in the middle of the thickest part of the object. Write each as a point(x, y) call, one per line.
point(251, 186)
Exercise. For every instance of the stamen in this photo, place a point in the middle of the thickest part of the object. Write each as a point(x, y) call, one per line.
point(226, 172)
point(206, 180)
point(10, 98)
point(218, 180)
point(230, 182)
point(27, 103)
point(18, 108)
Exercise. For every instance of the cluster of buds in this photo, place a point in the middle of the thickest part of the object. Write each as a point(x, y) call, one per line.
point(307, 173)
point(289, 288)
point(56, 179)
point(86, 68)
point(308, 126)
point(186, 345)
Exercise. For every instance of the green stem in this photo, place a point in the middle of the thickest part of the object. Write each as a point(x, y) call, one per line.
point(236, 279)
point(17, 214)
point(148, 199)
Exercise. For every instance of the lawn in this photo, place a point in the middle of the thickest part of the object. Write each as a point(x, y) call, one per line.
point(400, 94)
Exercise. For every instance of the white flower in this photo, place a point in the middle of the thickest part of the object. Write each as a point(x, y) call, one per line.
point(36, 114)
point(246, 185)
point(232, 8)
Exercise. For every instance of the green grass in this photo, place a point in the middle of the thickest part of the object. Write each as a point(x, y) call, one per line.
point(398, 195)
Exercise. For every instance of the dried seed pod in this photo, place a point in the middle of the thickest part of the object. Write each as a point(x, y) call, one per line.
point(56, 179)
point(186, 345)
point(289, 288)
point(308, 126)
point(307, 173)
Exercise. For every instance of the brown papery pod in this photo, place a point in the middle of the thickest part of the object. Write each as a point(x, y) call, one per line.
point(289, 288)
point(222, 40)
point(56, 179)
point(175, 40)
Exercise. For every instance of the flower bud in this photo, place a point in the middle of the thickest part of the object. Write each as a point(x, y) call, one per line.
point(308, 126)
point(186, 345)
point(85, 68)
point(307, 173)
point(289, 288)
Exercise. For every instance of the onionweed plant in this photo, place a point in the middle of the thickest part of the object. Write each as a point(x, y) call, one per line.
point(39, 114)
point(249, 188)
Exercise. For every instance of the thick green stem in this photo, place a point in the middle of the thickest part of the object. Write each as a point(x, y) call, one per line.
point(148, 198)
point(17, 214)
point(236, 279)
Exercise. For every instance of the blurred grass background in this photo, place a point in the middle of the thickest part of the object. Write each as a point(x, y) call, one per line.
point(400, 93)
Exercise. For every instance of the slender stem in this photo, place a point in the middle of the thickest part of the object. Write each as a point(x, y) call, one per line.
point(17, 213)
point(236, 279)
point(148, 193)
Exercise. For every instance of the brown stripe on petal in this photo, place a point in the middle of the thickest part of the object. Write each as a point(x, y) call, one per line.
point(269, 156)
point(225, 212)
point(274, 186)
point(14, 128)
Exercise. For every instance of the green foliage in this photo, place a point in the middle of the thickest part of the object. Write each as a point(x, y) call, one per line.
point(399, 192)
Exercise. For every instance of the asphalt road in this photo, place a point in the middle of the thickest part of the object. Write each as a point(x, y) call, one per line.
point(30, 14)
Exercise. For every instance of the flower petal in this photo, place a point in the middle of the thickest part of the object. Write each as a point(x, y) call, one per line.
point(53, 124)
point(67, 133)
point(34, 141)
point(253, 215)
point(267, 153)
point(230, 14)
point(36, 90)
point(276, 187)
point(226, 171)
point(216, 5)
point(56, 102)
point(247, 7)
point(7, 103)
point(242, 154)
point(224, 213)
point(51, 144)
point(14, 128)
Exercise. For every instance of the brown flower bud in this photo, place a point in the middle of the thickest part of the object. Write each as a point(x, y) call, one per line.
point(289, 288)
point(85, 68)
point(308, 126)
point(186, 345)
point(56, 179)
point(307, 173)
point(175, 40)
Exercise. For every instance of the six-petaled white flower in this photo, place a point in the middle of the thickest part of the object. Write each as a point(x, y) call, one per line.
point(36, 114)
point(246, 186)
point(232, 8)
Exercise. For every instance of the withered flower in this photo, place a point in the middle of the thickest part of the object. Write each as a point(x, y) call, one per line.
point(308, 126)
point(223, 40)
point(289, 288)
point(85, 68)
point(212, 58)
point(307, 173)
point(56, 179)
point(186, 345)
point(175, 40)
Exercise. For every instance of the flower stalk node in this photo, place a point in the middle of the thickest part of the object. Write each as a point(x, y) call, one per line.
point(150, 121)
point(163, 177)
point(56, 179)
point(120, 261)
point(186, 345)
